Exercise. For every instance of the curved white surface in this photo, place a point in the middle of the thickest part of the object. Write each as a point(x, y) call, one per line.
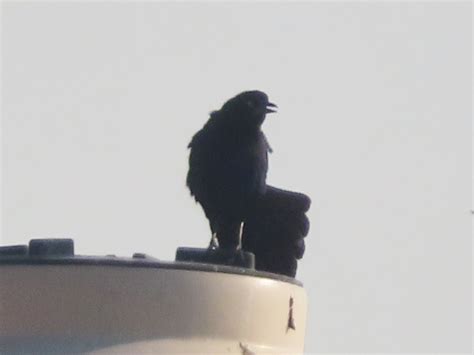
point(117, 309)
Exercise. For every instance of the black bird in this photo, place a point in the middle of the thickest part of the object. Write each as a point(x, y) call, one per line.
point(228, 166)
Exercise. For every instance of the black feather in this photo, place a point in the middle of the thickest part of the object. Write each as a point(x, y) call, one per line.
point(275, 229)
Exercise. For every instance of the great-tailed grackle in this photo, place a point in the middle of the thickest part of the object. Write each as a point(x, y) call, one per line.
point(228, 166)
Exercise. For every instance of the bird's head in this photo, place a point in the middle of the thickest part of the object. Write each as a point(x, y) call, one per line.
point(250, 106)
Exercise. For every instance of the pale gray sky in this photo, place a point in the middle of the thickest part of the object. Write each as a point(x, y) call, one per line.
point(101, 99)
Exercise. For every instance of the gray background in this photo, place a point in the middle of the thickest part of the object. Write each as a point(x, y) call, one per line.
point(101, 99)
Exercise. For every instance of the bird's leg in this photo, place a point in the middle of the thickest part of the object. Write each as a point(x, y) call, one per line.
point(228, 234)
point(214, 244)
point(241, 229)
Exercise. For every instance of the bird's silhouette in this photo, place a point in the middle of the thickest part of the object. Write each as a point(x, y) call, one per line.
point(228, 166)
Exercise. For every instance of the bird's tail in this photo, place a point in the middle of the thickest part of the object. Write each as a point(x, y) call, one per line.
point(275, 230)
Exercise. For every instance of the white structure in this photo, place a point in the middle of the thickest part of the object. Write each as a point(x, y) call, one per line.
point(54, 302)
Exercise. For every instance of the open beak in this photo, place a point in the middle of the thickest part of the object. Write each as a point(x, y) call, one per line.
point(271, 107)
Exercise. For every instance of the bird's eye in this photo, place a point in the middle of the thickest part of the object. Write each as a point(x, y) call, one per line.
point(250, 103)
